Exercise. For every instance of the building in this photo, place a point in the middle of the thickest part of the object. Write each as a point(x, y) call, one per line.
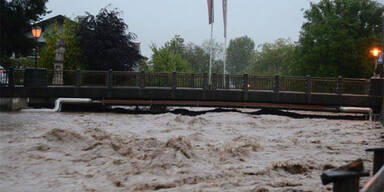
point(47, 27)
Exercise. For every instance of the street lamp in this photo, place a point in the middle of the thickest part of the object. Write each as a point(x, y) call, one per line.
point(36, 33)
point(375, 52)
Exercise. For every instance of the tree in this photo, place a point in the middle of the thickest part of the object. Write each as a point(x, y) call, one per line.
point(273, 58)
point(73, 52)
point(197, 57)
point(16, 17)
point(239, 54)
point(169, 58)
point(176, 45)
point(106, 43)
point(336, 38)
point(163, 60)
point(186, 58)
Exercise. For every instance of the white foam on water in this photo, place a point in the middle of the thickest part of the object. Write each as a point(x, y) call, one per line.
point(227, 151)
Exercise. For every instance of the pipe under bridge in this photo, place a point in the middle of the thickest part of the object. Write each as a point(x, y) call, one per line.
point(186, 89)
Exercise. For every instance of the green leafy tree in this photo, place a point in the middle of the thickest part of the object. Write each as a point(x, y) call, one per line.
point(163, 60)
point(239, 54)
point(337, 36)
point(106, 43)
point(16, 17)
point(186, 57)
point(73, 52)
point(273, 58)
point(197, 57)
point(176, 45)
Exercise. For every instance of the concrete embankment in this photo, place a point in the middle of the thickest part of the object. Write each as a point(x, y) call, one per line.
point(12, 104)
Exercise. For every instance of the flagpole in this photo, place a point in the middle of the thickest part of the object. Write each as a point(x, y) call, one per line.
point(211, 56)
point(225, 12)
point(225, 58)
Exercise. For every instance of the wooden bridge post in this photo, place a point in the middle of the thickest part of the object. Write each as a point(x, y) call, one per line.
point(192, 80)
point(11, 79)
point(142, 79)
point(245, 82)
point(276, 88)
point(205, 81)
point(174, 80)
point(174, 84)
point(378, 158)
point(345, 178)
point(109, 83)
point(339, 89)
point(214, 81)
point(308, 88)
point(245, 87)
point(110, 79)
point(226, 81)
point(78, 78)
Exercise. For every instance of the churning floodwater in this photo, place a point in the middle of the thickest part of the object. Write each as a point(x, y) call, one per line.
point(228, 151)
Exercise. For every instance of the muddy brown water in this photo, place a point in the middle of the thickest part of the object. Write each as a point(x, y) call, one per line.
point(167, 152)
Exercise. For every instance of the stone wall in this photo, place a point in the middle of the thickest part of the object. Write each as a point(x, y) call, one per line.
point(12, 104)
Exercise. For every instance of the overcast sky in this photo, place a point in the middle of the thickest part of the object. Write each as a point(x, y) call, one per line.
point(156, 21)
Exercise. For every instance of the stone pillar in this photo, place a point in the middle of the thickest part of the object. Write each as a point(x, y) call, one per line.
point(58, 66)
point(12, 104)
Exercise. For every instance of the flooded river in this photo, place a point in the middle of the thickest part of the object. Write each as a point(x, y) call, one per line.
point(229, 151)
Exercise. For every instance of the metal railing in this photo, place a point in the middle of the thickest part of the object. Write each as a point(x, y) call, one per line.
point(277, 84)
point(376, 183)
point(347, 177)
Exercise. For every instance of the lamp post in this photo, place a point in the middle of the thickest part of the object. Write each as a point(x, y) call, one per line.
point(375, 52)
point(36, 33)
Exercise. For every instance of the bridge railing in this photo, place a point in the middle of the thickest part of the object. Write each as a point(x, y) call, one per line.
point(324, 85)
point(125, 79)
point(298, 84)
point(355, 86)
point(189, 80)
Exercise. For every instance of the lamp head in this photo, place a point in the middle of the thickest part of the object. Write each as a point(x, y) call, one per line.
point(36, 32)
point(375, 52)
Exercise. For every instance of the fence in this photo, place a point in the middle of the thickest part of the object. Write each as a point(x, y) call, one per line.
point(347, 177)
point(189, 80)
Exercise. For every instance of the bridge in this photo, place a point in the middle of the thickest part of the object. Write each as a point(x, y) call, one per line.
point(187, 89)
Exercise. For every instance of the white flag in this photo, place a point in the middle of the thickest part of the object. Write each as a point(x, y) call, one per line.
point(211, 11)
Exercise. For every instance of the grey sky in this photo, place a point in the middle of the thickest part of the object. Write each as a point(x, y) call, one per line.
point(159, 20)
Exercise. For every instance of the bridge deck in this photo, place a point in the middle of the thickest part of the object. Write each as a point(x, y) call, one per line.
point(193, 89)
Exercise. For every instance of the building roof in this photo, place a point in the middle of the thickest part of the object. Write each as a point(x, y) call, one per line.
point(58, 18)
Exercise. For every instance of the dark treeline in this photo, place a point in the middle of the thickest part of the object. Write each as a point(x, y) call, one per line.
point(334, 40)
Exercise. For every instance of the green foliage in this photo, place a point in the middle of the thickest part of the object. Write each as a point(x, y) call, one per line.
point(337, 36)
point(163, 60)
point(197, 57)
point(175, 45)
point(144, 65)
point(16, 17)
point(273, 58)
point(106, 43)
point(21, 62)
point(239, 54)
point(73, 52)
point(175, 55)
